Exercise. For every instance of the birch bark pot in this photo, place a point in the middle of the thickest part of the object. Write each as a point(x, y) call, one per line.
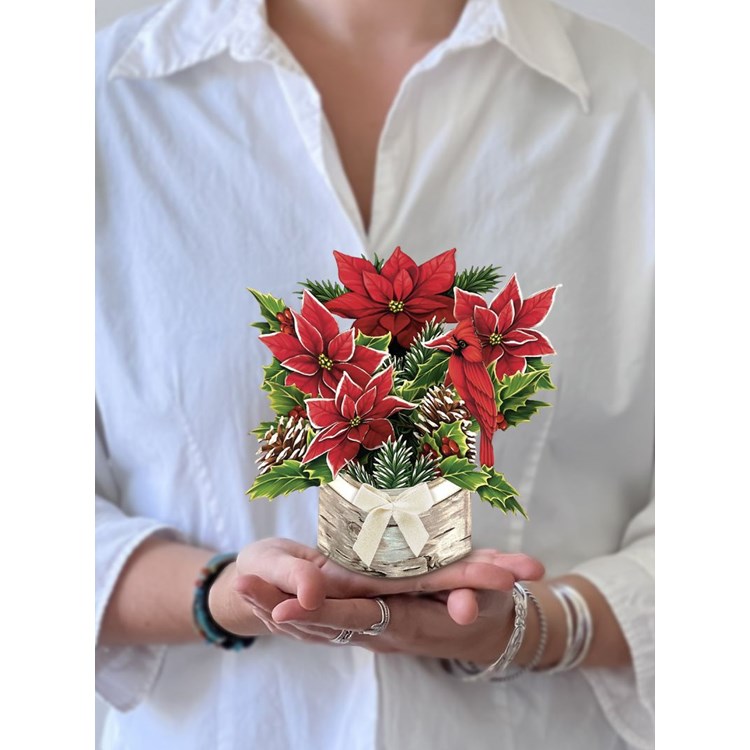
point(448, 524)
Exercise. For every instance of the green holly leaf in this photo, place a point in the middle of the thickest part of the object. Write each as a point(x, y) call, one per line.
point(463, 473)
point(535, 363)
point(515, 507)
point(523, 413)
point(286, 477)
point(380, 343)
point(318, 470)
point(270, 306)
point(451, 430)
point(500, 493)
point(429, 373)
point(522, 385)
point(513, 393)
point(273, 374)
point(284, 398)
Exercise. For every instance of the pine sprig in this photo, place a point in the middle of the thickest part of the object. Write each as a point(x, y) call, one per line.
point(478, 279)
point(394, 466)
point(391, 467)
point(418, 353)
point(359, 473)
point(376, 261)
point(323, 291)
point(424, 469)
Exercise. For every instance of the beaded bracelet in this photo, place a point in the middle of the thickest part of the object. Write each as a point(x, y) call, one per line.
point(207, 627)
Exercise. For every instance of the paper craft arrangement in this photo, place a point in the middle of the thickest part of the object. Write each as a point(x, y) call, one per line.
point(393, 417)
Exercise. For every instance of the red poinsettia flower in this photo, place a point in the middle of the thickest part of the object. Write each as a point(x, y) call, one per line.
point(505, 326)
point(355, 416)
point(400, 298)
point(319, 355)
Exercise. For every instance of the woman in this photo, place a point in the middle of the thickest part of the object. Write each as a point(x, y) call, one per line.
point(240, 142)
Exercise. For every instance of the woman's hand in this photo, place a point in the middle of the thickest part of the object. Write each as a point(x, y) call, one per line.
point(280, 570)
point(419, 625)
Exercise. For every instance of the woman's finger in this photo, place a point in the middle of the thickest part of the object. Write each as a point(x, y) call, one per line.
point(298, 576)
point(308, 632)
point(339, 614)
point(463, 606)
point(523, 567)
point(259, 592)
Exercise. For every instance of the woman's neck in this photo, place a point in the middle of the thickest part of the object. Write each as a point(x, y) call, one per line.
point(373, 22)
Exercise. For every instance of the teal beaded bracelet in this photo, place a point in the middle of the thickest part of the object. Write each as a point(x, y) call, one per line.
point(206, 626)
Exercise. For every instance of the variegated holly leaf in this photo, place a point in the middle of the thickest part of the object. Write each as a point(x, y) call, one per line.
point(273, 374)
point(429, 373)
point(380, 343)
point(451, 430)
point(318, 470)
point(463, 473)
point(536, 363)
point(270, 306)
point(513, 394)
point(282, 479)
point(284, 398)
point(500, 493)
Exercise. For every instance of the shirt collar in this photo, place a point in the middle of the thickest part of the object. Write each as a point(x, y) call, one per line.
point(183, 33)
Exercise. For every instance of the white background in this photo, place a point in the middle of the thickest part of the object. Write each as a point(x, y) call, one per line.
point(634, 17)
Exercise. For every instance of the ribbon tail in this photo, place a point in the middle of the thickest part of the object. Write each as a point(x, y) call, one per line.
point(413, 529)
point(371, 533)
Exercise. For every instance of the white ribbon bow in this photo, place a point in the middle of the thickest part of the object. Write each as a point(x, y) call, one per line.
point(381, 507)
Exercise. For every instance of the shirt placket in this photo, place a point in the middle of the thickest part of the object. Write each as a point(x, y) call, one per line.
point(305, 104)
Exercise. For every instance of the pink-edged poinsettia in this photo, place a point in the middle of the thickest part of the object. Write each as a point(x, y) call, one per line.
point(505, 326)
point(356, 416)
point(318, 356)
point(399, 298)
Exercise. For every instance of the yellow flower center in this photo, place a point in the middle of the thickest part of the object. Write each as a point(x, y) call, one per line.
point(355, 421)
point(325, 362)
point(396, 305)
point(495, 338)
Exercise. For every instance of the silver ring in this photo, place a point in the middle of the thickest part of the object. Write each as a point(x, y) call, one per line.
point(343, 637)
point(385, 618)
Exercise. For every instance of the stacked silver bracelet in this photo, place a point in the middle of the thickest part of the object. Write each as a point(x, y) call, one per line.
point(580, 628)
point(580, 631)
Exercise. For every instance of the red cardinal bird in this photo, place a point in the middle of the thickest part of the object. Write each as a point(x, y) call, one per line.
point(469, 375)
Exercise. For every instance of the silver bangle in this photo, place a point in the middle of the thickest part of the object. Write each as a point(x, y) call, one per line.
point(580, 628)
point(584, 624)
point(562, 665)
point(501, 664)
point(537, 657)
point(543, 634)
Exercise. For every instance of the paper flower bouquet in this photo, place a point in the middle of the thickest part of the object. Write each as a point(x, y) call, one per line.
point(385, 416)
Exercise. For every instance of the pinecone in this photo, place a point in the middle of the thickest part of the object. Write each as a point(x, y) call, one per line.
point(285, 440)
point(442, 405)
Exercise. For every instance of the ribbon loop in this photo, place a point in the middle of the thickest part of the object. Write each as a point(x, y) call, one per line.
point(380, 507)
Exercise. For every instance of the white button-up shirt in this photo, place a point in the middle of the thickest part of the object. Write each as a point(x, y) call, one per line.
point(523, 139)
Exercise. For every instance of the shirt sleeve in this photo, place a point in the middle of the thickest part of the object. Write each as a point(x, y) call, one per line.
point(626, 579)
point(123, 674)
